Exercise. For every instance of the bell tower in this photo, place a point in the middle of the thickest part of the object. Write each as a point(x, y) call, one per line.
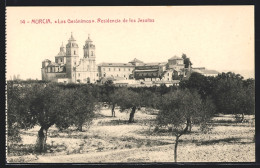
point(89, 54)
point(89, 49)
point(72, 57)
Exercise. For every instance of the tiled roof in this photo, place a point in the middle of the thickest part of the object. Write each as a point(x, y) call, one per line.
point(175, 58)
point(136, 61)
point(54, 64)
point(115, 65)
point(46, 60)
point(153, 63)
point(61, 53)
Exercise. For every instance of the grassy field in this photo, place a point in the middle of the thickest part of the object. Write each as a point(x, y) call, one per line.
point(112, 139)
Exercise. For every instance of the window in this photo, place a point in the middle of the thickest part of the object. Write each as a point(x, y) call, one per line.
point(108, 69)
point(168, 74)
point(92, 53)
point(97, 74)
point(61, 60)
point(74, 52)
point(124, 75)
point(104, 75)
point(79, 74)
point(119, 69)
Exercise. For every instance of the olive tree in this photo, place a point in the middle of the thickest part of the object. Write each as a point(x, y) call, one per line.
point(107, 93)
point(47, 105)
point(83, 106)
point(233, 95)
point(179, 108)
point(127, 99)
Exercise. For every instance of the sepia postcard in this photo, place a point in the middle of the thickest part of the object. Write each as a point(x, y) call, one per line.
point(130, 84)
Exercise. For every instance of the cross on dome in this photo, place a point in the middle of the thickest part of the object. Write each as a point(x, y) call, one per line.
point(71, 37)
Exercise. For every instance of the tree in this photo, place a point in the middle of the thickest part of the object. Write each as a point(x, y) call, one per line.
point(178, 109)
point(16, 106)
point(204, 85)
point(49, 104)
point(127, 99)
point(82, 106)
point(108, 96)
point(187, 61)
point(149, 99)
point(48, 107)
point(233, 95)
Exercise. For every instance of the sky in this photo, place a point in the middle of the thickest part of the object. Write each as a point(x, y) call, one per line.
point(215, 37)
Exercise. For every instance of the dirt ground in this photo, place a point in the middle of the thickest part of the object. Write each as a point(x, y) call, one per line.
point(112, 139)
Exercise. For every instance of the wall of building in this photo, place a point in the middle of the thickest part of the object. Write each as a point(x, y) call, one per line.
point(116, 71)
point(60, 59)
point(53, 76)
point(167, 75)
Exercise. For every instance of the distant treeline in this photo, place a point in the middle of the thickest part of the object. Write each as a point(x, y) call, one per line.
point(230, 92)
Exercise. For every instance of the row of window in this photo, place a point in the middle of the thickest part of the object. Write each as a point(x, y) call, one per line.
point(119, 69)
point(146, 74)
point(57, 60)
point(59, 76)
point(79, 75)
point(104, 75)
point(55, 69)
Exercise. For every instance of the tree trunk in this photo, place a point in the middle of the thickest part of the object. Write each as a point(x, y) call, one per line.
point(243, 117)
point(131, 118)
point(175, 148)
point(80, 128)
point(41, 140)
point(189, 125)
point(113, 110)
point(178, 136)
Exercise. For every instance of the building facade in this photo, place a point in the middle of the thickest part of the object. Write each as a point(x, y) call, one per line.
point(68, 67)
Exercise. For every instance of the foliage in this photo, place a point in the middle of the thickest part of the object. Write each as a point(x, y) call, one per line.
point(204, 85)
point(233, 95)
point(126, 99)
point(49, 104)
point(82, 106)
point(230, 93)
point(149, 99)
point(178, 109)
point(187, 61)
